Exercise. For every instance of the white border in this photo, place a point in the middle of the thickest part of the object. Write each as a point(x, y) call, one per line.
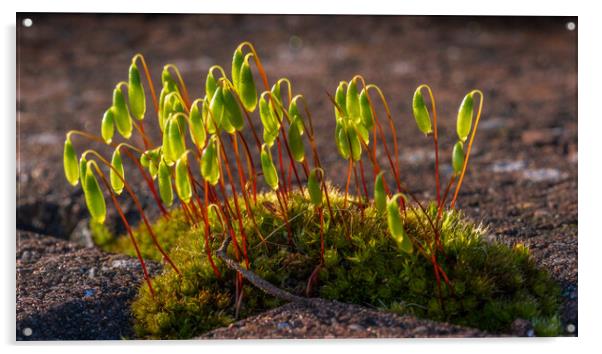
point(589, 171)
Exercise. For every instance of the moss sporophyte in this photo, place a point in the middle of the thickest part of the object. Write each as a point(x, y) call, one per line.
point(232, 250)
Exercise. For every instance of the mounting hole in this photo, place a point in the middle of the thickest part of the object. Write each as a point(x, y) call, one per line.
point(571, 26)
point(27, 22)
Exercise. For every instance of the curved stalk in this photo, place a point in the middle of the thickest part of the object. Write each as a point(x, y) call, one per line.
point(435, 140)
point(149, 181)
point(182, 84)
point(389, 118)
point(138, 206)
point(250, 166)
point(207, 233)
point(151, 86)
point(290, 91)
point(440, 206)
point(257, 61)
point(235, 198)
point(472, 136)
point(139, 128)
point(286, 145)
point(151, 185)
point(127, 227)
point(242, 184)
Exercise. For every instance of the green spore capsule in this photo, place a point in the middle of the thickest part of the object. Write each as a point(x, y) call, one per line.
point(458, 157)
point(270, 174)
point(167, 79)
point(380, 195)
point(167, 107)
point(165, 188)
point(177, 144)
point(207, 119)
point(210, 86)
point(136, 93)
point(295, 142)
point(168, 155)
point(117, 171)
point(121, 114)
point(197, 126)
point(340, 138)
point(107, 126)
point(177, 106)
point(82, 170)
point(232, 109)
point(464, 121)
point(237, 61)
point(210, 162)
point(183, 187)
point(153, 168)
point(173, 104)
point(150, 160)
point(70, 163)
point(246, 89)
point(216, 108)
point(294, 115)
point(270, 125)
point(276, 106)
point(162, 97)
point(315, 188)
point(340, 97)
point(267, 115)
point(395, 224)
point(354, 143)
point(269, 136)
point(366, 111)
point(144, 159)
point(363, 133)
point(352, 101)
point(421, 114)
point(95, 200)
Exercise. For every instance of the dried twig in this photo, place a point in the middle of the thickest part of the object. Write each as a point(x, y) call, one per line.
point(256, 280)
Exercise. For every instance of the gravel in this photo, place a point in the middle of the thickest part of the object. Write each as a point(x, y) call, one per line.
point(68, 292)
point(332, 319)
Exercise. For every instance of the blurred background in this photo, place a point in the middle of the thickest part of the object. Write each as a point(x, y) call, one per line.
point(522, 178)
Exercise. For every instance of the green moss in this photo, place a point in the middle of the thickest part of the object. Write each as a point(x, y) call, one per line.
point(492, 283)
point(547, 326)
point(101, 235)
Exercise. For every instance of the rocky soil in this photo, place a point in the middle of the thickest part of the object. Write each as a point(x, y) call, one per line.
point(331, 319)
point(68, 292)
point(522, 181)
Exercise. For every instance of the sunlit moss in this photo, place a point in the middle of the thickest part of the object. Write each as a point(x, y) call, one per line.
point(491, 284)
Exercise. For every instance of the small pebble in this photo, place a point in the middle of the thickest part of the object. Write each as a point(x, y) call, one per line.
point(26, 257)
point(493, 123)
point(543, 174)
point(283, 325)
point(120, 263)
point(507, 166)
point(356, 327)
point(420, 329)
point(540, 136)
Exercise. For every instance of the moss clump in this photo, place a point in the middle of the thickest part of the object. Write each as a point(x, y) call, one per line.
point(493, 284)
